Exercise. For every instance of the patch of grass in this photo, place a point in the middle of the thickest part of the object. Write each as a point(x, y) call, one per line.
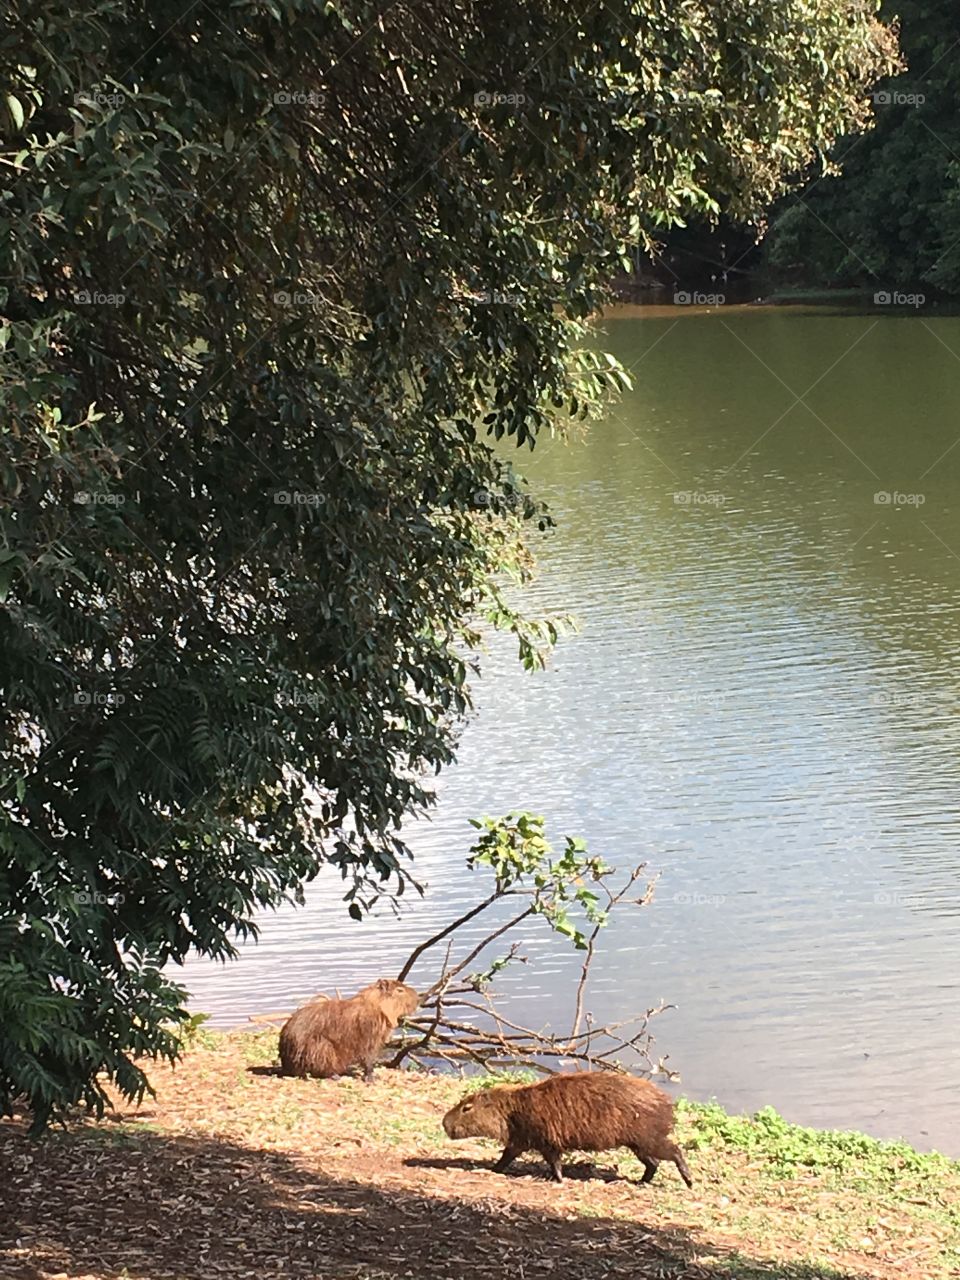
point(260, 1048)
point(289, 1116)
point(790, 1148)
point(857, 1192)
point(192, 1034)
point(592, 1211)
point(396, 1129)
point(521, 1075)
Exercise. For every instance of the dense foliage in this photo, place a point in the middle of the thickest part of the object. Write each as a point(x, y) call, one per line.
point(891, 219)
point(276, 272)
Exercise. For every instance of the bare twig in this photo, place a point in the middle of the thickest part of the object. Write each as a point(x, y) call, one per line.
point(613, 899)
point(438, 986)
point(417, 952)
point(431, 1029)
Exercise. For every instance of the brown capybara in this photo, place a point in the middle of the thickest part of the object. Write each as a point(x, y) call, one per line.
point(580, 1111)
point(325, 1037)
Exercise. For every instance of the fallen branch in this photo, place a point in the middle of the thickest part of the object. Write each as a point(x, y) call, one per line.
point(558, 890)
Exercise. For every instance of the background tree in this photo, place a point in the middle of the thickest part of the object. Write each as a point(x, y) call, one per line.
point(276, 275)
point(890, 219)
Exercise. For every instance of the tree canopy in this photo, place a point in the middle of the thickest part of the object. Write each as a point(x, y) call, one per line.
point(278, 276)
point(889, 219)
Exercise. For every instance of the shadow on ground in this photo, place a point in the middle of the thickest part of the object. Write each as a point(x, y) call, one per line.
point(105, 1203)
point(531, 1166)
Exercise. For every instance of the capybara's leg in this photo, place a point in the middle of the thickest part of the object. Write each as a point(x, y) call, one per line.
point(650, 1167)
point(676, 1155)
point(368, 1069)
point(510, 1154)
point(552, 1157)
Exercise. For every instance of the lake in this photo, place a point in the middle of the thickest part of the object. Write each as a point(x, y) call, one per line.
point(762, 545)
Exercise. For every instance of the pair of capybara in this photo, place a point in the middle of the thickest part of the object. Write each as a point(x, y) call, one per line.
point(581, 1111)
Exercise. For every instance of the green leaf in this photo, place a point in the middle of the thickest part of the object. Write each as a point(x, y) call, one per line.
point(14, 110)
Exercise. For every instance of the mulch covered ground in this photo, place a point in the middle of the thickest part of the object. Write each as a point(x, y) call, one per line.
point(232, 1172)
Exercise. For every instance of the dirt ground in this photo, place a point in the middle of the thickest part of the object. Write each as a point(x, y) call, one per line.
point(235, 1172)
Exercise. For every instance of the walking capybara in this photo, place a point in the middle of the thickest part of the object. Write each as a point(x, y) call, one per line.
point(325, 1037)
point(580, 1111)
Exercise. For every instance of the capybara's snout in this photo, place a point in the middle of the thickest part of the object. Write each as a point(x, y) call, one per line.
point(453, 1125)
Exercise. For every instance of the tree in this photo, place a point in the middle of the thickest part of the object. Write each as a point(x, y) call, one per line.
point(889, 219)
point(278, 275)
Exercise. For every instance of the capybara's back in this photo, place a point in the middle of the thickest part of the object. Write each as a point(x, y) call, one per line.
point(580, 1111)
point(598, 1110)
point(326, 1037)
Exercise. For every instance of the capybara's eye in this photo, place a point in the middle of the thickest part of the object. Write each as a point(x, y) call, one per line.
point(468, 1106)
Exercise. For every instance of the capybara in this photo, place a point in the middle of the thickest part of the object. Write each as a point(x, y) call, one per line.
point(325, 1037)
point(580, 1111)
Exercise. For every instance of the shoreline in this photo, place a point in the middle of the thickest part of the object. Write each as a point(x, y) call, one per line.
point(741, 296)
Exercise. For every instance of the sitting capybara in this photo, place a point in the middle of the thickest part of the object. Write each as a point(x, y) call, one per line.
point(582, 1111)
point(326, 1037)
